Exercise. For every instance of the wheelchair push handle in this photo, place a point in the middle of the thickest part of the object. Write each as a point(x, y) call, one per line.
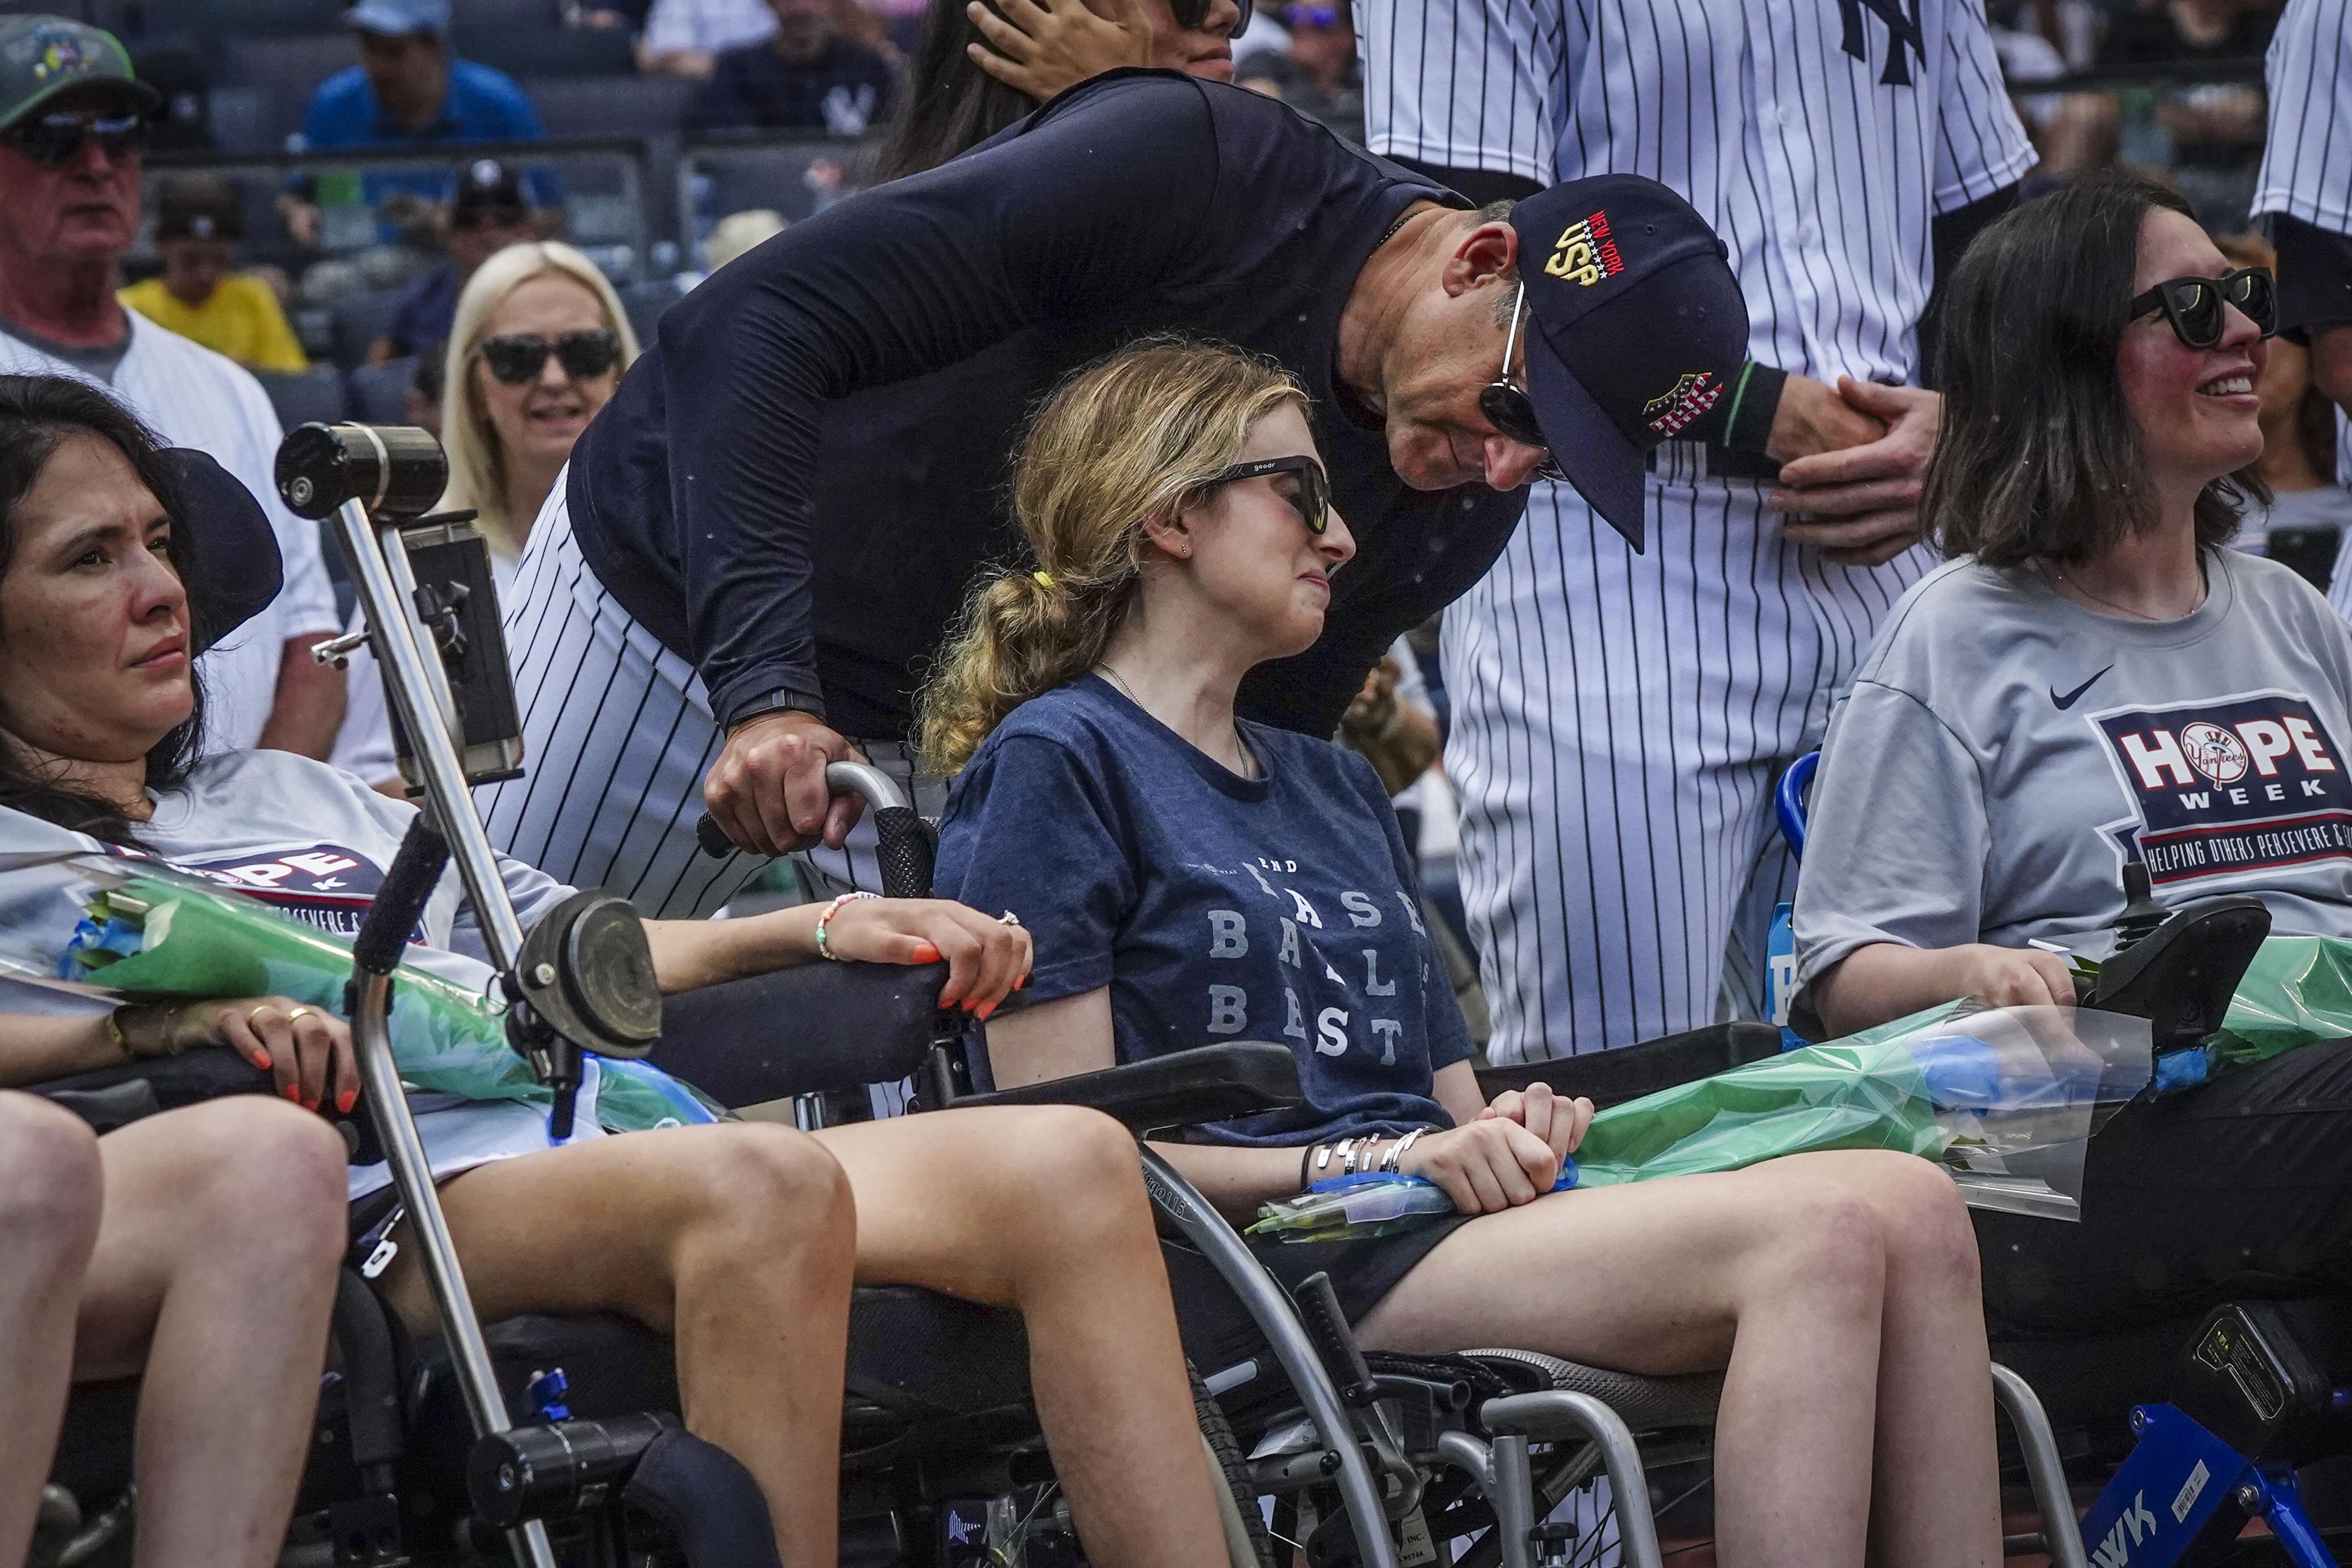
point(906, 847)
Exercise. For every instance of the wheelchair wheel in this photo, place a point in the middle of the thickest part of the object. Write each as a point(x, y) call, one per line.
point(1246, 1541)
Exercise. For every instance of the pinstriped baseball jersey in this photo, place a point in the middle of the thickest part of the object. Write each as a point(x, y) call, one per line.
point(1618, 718)
point(2307, 161)
point(1805, 133)
point(194, 397)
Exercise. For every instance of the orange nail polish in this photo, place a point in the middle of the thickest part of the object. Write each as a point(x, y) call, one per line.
point(345, 1100)
point(925, 952)
point(984, 1009)
point(261, 1060)
point(294, 1093)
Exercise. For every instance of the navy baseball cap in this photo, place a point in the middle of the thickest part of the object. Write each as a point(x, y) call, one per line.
point(1635, 329)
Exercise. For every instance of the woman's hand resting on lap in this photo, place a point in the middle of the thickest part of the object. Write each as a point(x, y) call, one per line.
point(305, 1049)
point(1510, 1155)
point(987, 960)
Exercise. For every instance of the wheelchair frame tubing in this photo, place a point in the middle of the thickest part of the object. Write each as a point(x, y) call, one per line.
point(1499, 1466)
point(2192, 1476)
point(420, 689)
point(2045, 1470)
point(1278, 1319)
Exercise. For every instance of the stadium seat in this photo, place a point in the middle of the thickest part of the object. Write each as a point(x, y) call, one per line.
point(380, 392)
point(289, 67)
point(301, 398)
point(523, 49)
point(645, 302)
point(620, 106)
point(360, 320)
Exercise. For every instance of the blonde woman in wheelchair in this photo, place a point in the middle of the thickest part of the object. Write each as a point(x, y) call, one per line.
point(1189, 877)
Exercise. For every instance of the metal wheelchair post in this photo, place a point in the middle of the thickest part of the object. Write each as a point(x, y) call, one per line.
point(1177, 1198)
point(420, 693)
point(2062, 1537)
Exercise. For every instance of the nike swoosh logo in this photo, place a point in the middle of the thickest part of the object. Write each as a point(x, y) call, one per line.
point(2068, 701)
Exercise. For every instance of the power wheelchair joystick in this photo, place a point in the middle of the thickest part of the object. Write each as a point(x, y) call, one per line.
point(2176, 967)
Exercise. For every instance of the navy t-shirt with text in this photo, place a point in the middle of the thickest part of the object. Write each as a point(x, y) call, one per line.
point(1216, 908)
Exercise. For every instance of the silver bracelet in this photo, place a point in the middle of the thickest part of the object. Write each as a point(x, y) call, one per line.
point(1395, 1156)
point(1348, 1156)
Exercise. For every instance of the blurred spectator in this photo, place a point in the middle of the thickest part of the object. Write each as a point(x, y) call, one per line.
point(487, 214)
point(199, 222)
point(540, 344)
point(973, 78)
point(739, 232)
point(422, 406)
point(407, 89)
point(2298, 461)
point(808, 76)
point(71, 137)
point(2171, 30)
point(1319, 75)
point(684, 37)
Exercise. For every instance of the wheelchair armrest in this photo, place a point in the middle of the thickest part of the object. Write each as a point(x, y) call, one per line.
point(1612, 1077)
point(802, 1030)
point(118, 1096)
point(1211, 1083)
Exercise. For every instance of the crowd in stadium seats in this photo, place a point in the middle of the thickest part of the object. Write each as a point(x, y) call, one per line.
point(1150, 628)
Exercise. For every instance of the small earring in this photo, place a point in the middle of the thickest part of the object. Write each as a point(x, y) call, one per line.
point(1185, 550)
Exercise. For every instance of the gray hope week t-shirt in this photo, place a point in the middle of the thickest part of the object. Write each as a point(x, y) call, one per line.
point(2003, 752)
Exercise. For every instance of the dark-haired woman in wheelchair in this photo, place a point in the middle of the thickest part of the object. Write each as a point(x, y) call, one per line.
point(198, 1248)
point(2094, 679)
point(1190, 878)
point(739, 1240)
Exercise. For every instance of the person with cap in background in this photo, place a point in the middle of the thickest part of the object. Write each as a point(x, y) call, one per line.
point(199, 221)
point(765, 533)
point(408, 87)
point(488, 214)
point(72, 119)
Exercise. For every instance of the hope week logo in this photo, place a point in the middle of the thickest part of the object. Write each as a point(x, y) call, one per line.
point(2228, 785)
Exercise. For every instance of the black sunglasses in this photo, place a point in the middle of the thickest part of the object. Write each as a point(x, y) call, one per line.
point(1312, 500)
point(1192, 13)
point(2194, 305)
point(55, 139)
point(1511, 411)
point(518, 357)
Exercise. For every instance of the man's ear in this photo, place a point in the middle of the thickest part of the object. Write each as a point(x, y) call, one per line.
point(1488, 251)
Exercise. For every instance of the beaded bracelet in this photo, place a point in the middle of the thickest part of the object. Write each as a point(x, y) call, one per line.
point(824, 948)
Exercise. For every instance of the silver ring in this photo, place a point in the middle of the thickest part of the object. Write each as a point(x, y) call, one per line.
point(1008, 918)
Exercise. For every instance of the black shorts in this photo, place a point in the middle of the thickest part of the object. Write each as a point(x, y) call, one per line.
point(2241, 1187)
point(1218, 1332)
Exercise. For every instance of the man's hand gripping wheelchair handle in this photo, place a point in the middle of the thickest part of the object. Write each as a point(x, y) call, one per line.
point(906, 841)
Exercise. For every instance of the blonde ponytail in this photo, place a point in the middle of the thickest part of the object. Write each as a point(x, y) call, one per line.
point(1128, 440)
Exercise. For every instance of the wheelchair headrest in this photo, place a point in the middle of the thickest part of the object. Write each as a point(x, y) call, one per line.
point(238, 569)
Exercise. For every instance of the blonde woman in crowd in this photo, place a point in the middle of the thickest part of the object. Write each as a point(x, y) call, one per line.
point(538, 347)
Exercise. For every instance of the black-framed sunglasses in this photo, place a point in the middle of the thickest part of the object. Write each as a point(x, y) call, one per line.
point(1510, 410)
point(1311, 500)
point(55, 139)
point(1192, 13)
point(2194, 305)
point(517, 358)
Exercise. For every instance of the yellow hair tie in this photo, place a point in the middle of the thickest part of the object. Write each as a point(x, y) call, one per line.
point(1045, 579)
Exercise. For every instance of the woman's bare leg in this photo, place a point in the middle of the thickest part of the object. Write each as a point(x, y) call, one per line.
point(736, 1240)
point(1780, 1274)
point(215, 1270)
point(50, 1186)
point(1042, 1210)
point(1937, 1465)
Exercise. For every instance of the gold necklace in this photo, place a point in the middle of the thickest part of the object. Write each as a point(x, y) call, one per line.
point(2049, 569)
point(1248, 768)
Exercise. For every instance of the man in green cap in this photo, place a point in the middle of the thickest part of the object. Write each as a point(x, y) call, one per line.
point(73, 122)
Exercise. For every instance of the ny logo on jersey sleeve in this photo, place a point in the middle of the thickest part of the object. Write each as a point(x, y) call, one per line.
point(2227, 785)
point(1902, 30)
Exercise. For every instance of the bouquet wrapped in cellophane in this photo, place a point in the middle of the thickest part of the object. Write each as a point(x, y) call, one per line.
point(2008, 1098)
point(147, 932)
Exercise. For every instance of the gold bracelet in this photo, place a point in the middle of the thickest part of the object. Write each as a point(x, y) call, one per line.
point(114, 1030)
